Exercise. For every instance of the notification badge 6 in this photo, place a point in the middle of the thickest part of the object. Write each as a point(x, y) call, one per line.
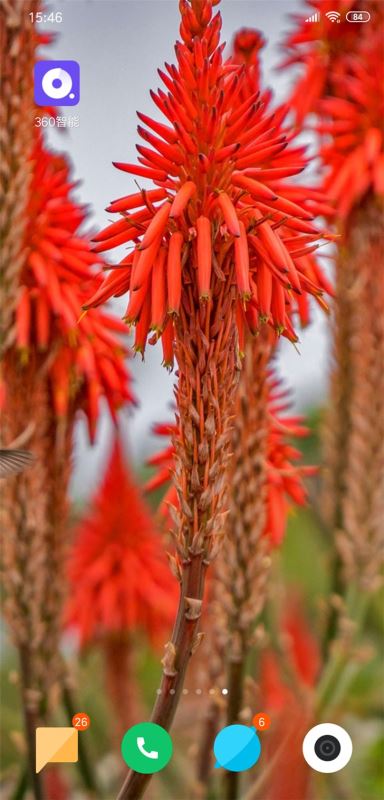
point(58, 81)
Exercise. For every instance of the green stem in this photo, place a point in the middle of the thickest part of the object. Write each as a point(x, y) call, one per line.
point(204, 760)
point(21, 786)
point(236, 674)
point(31, 722)
point(84, 766)
point(340, 671)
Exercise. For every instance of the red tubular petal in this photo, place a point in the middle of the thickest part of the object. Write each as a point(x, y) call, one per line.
point(275, 173)
point(145, 263)
point(159, 291)
point(142, 327)
point(255, 188)
point(167, 345)
point(92, 407)
point(135, 200)
point(182, 198)
point(114, 283)
point(49, 249)
point(162, 130)
point(242, 263)
point(278, 305)
point(39, 268)
point(264, 289)
point(252, 317)
point(240, 322)
point(259, 156)
point(156, 226)
point(129, 235)
point(174, 272)
point(111, 230)
point(75, 264)
point(136, 300)
point(287, 207)
point(229, 213)
point(204, 256)
point(169, 151)
point(134, 169)
point(153, 159)
point(23, 319)
point(226, 152)
point(58, 234)
point(269, 239)
point(43, 318)
point(299, 225)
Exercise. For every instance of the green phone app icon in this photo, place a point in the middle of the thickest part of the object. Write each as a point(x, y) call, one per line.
point(146, 747)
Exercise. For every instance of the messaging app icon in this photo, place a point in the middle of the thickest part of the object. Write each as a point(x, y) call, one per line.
point(237, 748)
point(147, 748)
point(56, 746)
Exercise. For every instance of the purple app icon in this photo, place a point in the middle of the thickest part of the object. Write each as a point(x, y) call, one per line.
point(57, 83)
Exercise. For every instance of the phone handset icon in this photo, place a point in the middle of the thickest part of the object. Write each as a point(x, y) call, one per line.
point(140, 741)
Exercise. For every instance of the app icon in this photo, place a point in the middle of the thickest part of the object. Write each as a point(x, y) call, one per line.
point(56, 746)
point(147, 748)
point(58, 81)
point(237, 748)
point(327, 747)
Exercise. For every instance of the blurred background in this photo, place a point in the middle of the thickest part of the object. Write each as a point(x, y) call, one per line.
point(119, 46)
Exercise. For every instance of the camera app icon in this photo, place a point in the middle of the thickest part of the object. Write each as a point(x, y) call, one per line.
point(57, 81)
point(327, 747)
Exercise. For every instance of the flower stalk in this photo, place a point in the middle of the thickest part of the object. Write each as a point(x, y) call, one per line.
point(206, 355)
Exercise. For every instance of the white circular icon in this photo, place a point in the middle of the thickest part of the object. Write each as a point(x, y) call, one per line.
point(57, 83)
point(327, 747)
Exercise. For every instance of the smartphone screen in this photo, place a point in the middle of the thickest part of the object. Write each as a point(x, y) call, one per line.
point(192, 465)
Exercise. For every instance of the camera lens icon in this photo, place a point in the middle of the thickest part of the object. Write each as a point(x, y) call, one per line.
point(327, 747)
point(57, 81)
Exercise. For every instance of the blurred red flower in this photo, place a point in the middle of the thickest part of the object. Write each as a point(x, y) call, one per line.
point(86, 355)
point(119, 576)
point(342, 81)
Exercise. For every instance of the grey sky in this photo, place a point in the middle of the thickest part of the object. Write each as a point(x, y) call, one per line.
point(119, 46)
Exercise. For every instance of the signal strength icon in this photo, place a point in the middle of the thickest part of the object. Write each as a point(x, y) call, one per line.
point(313, 17)
point(333, 16)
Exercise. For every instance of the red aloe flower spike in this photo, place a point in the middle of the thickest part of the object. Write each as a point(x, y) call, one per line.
point(127, 587)
point(118, 551)
point(219, 144)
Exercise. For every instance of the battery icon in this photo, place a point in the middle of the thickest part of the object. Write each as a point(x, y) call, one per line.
point(358, 16)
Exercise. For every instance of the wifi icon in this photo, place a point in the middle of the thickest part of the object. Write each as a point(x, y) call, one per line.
point(333, 16)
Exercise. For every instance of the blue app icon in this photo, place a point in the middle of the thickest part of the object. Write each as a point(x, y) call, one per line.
point(237, 748)
point(57, 81)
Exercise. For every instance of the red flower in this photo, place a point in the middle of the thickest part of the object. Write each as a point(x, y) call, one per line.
point(87, 357)
point(342, 82)
point(246, 47)
point(354, 119)
point(118, 573)
point(317, 47)
point(284, 476)
point(220, 166)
